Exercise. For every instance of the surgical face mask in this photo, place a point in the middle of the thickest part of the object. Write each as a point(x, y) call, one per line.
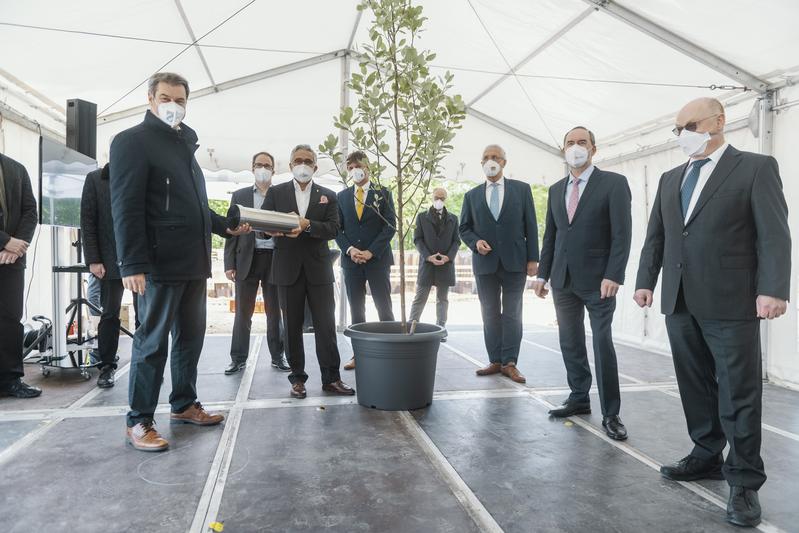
point(693, 143)
point(171, 113)
point(357, 175)
point(263, 176)
point(302, 173)
point(438, 205)
point(491, 168)
point(576, 156)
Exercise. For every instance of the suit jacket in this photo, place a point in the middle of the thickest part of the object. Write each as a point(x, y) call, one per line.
point(21, 219)
point(513, 237)
point(310, 250)
point(96, 224)
point(370, 232)
point(162, 221)
point(735, 246)
point(429, 241)
point(596, 244)
point(240, 249)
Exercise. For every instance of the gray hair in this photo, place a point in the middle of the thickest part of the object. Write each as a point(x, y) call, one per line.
point(170, 78)
point(498, 147)
point(305, 147)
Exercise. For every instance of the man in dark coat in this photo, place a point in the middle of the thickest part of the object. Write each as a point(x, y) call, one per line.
point(436, 238)
point(17, 224)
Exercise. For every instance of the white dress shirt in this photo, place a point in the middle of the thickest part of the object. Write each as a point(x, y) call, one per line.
point(500, 191)
point(583, 177)
point(303, 197)
point(704, 175)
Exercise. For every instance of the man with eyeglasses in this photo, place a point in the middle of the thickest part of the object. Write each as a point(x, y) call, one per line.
point(719, 231)
point(248, 263)
point(301, 268)
point(498, 224)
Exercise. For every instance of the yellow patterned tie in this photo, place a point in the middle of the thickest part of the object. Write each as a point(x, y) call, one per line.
point(359, 202)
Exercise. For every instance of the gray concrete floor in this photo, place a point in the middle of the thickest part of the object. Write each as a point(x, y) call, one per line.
point(484, 457)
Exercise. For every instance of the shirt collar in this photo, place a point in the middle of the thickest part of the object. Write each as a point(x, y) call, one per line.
point(297, 187)
point(584, 175)
point(500, 182)
point(365, 187)
point(714, 156)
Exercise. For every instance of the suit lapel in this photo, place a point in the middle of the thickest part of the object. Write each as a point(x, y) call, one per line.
point(559, 202)
point(313, 203)
point(367, 203)
point(292, 199)
point(727, 163)
point(249, 199)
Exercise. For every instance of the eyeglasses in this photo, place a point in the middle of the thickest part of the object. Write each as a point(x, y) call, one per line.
point(496, 158)
point(691, 126)
point(309, 162)
point(263, 165)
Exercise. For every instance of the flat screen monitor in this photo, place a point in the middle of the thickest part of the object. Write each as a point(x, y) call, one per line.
point(62, 172)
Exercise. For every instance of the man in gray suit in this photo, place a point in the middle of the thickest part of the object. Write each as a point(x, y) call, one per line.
point(719, 231)
point(248, 262)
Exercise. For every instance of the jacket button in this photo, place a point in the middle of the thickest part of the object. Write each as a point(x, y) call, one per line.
point(684, 233)
point(679, 265)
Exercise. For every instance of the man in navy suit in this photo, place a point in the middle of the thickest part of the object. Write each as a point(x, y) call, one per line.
point(498, 224)
point(368, 223)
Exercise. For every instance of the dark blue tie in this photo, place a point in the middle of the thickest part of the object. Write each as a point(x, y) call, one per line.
point(689, 185)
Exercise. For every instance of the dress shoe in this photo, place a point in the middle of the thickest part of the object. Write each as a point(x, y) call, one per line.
point(143, 436)
point(195, 414)
point(510, 371)
point(20, 389)
point(614, 428)
point(106, 378)
point(350, 364)
point(298, 391)
point(743, 507)
point(281, 364)
point(569, 408)
point(492, 368)
point(235, 367)
point(339, 387)
point(692, 468)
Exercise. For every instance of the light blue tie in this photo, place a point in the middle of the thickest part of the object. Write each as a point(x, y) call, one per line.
point(689, 185)
point(493, 202)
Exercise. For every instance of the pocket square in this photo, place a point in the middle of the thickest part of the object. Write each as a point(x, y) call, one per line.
point(323, 200)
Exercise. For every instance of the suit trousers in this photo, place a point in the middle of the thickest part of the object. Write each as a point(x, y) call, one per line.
point(12, 290)
point(570, 306)
point(420, 299)
point(500, 297)
point(322, 302)
point(380, 287)
point(111, 291)
point(719, 373)
point(178, 308)
point(246, 292)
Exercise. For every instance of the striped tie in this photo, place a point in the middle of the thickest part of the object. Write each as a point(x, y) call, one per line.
point(574, 199)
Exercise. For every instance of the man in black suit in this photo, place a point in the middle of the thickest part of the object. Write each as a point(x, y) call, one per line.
point(498, 224)
point(248, 263)
point(436, 238)
point(163, 225)
point(584, 255)
point(301, 268)
point(17, 225)
point(719, 231)
point(366, 213)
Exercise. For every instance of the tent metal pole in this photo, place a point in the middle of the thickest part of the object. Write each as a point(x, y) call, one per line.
point(765, 141)
point(514, 132)
point(343, 147)
point(12, 115)
point(196, 46)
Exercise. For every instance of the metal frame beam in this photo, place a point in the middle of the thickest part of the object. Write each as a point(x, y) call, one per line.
point(232, 84)
point(354, 30)
point(538, 143)
point(194, 40)
point(680, 44)
point(538, 49)
point(9, 113)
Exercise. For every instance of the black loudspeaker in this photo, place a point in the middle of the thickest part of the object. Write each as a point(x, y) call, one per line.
point(82, 127)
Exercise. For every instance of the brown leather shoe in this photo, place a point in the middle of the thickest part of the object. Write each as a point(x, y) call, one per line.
point(513, 373)
point(144, 437)
point(196, 415)
point(298, 391)
point(350, 364)
point(492, 368)
point(339, 387)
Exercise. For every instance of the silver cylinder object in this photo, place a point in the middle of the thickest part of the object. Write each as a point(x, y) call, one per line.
point(261, 219)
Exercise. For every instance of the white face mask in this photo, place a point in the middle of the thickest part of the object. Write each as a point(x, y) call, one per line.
point(438, 205)
point(576, 156)
point(693, 143)
point(491, 168)
point(171, 113)
point(263, 176)
point(302, 173)
point(357, 175)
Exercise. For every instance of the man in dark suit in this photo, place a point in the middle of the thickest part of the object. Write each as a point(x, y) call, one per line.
point(436, 238)
point(163, 225)
point(248, 263)
point(498, 224)
point(584, 255)
point(719, 231)
point(367, 217)
point(17, 225)
point(301, 268)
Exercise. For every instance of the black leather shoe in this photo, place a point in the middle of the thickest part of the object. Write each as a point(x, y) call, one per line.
point(614, 428)
point(743, 507)
point(235, 367)
point(692, 468)
point(281, 364)
point(571, 409)
point(20, 389)
point(106, 378)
